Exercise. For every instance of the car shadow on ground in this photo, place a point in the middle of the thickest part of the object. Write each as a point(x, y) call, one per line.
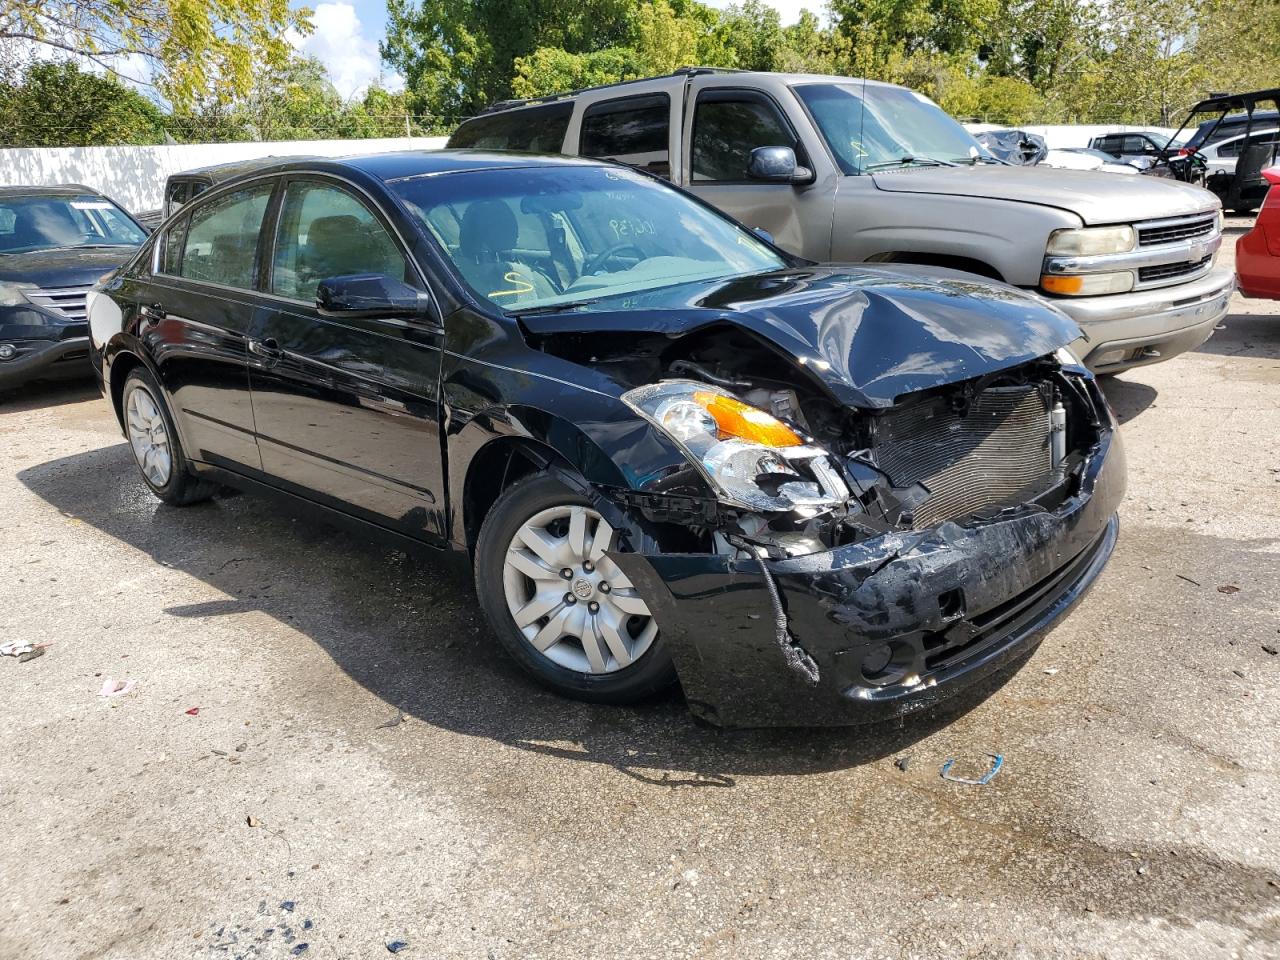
point(410, 632)
point(1248, 334)
point(1128, 398)
point(32, 396)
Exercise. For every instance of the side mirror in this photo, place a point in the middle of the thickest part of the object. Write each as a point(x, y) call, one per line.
point(370, 295)
point(777, 165)
point(763, 234)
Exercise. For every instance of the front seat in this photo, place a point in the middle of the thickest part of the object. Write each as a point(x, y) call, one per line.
point(487, 238)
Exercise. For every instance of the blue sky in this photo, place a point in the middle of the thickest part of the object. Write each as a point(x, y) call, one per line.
point(347, 34)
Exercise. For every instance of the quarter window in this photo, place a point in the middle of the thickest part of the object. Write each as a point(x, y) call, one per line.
point(633, 130)
point(530, 130)
point(727, 127)
point(326, 232)
point(222, 238)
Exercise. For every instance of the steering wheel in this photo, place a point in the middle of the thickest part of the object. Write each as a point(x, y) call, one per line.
point(600, 259)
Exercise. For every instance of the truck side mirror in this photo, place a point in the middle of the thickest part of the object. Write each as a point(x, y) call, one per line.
point(777, 165)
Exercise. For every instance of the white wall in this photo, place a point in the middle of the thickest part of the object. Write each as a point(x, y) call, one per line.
point(1058, 136)
point(134, 176)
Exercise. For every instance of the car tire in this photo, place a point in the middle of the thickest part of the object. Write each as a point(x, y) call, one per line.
point(538, 509)
point(154, 442)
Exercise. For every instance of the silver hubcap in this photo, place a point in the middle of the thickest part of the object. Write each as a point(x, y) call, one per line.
point(148, 437)
point(570, 601)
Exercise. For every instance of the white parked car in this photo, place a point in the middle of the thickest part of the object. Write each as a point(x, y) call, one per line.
point(1222, 155)
point(1079, 158)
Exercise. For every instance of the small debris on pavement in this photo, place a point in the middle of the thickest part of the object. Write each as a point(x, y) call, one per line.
point(902, 763)
point(116, 688)
point(252, 821)
point(193, 712)
point(287, 905)
point(1269, 648)
point(241, 747)
point(1188, 579)
point(1051, 671)
point(395, 721)
point(23, 650)
point(1228, 588)
point(395, 946)
point(997, 761)
point(1239, 673)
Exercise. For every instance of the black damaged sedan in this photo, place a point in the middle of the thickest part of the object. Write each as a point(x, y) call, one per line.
point(810, 494)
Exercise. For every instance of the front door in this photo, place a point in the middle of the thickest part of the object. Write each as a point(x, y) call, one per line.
point(726, 125)
point(347, 409)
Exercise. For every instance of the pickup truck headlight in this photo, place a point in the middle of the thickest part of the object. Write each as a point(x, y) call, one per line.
point(1092, 241)
point(751, 458)
point(13, 294)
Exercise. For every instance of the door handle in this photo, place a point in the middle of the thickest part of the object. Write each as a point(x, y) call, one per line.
point(267, 349)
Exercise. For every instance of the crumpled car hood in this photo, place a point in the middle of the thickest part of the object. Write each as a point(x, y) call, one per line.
point(1093, 198)
point(868, 334)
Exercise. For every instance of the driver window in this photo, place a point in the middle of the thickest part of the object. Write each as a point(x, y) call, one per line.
point(326, 232)
point(727, 127)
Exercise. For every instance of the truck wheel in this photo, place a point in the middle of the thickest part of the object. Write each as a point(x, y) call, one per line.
point(155, 444)
point(559, 606)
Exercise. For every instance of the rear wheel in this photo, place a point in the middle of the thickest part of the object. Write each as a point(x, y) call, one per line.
point(155, 444)
point(559, 606)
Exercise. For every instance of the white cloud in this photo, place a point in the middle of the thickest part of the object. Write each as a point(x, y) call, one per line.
point(349, 57)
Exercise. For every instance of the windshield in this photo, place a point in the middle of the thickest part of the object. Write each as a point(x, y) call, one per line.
point(59, 221)
point(873, 127)
point(540, 237)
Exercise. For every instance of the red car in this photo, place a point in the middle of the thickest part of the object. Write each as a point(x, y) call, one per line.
point(1258, 252)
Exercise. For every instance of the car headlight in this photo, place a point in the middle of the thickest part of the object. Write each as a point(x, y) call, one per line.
point(750, 457)
point(13, 294)
point(1092, 241)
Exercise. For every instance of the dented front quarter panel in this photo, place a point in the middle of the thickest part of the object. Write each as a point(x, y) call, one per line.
point(717, 619)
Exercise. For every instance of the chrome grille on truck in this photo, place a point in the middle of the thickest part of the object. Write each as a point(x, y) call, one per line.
point(990, 454)
point(1173, 231)
point(1167, 271)
point(67, 301)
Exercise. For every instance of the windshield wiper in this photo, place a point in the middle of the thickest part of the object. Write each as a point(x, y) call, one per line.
point(908, 161)
point(550, 308)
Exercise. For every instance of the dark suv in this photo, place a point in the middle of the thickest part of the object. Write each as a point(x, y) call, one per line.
point(55, 243)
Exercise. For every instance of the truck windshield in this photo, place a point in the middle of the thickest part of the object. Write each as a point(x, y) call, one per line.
point(537, 238)
point(34, 222)
point(876, 128)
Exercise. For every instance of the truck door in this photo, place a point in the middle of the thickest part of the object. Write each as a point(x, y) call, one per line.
point(723, 124)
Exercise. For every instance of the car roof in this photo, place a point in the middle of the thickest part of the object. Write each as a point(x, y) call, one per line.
point(56, 190)
point(218, 172)
point(403, 164)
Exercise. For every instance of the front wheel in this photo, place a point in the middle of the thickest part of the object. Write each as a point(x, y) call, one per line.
point(560, 607)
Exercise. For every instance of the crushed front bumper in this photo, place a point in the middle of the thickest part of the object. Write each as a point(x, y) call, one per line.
point(1127, 330)
point(895, 624)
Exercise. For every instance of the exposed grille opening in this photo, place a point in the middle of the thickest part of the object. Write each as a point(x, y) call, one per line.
point(1188, 229)
point(968, 460)
point(68, 301)
point(1166, 271)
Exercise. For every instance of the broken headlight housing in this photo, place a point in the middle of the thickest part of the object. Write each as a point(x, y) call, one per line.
point(750, 458)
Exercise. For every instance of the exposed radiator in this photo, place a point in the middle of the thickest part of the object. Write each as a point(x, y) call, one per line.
point(997, 450)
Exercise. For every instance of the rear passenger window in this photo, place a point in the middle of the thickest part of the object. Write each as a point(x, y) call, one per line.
point(326, 232)
point(529, 130)
point(222, 238)
point(728, 126)
point(633, 130)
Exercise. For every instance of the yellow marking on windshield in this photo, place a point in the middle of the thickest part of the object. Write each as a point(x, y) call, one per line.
point(521, 286)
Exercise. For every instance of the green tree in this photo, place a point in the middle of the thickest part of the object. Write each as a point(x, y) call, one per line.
point(190, 48)
point(56, 104)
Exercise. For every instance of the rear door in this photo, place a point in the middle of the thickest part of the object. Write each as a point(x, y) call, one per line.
point(195, 316)
point(723, 126)
point(347, 410)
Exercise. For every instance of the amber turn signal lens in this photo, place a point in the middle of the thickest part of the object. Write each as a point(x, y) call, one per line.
point(1051, 284)
point(741, 420)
